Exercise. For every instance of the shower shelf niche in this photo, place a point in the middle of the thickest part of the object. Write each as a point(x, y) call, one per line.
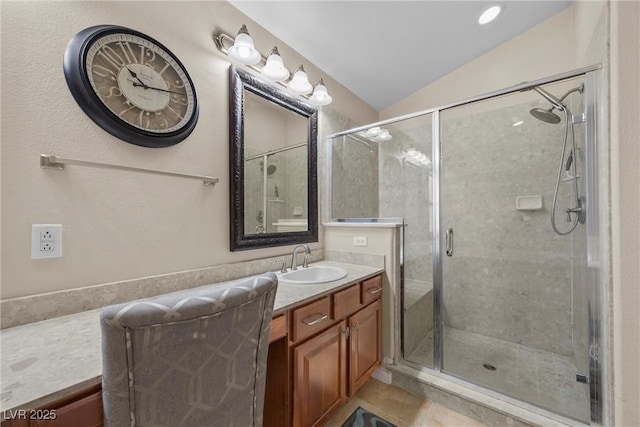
point(529, 203)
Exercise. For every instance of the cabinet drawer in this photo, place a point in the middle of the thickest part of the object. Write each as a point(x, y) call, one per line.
point(86, 412)
point(311, 318)
point(278, 328)
point(346, 302)
point(371, 289)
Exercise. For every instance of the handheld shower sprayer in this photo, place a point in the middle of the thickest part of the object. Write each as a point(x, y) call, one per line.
point(548, 116)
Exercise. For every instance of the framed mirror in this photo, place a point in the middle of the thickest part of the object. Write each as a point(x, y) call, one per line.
point(273, 165)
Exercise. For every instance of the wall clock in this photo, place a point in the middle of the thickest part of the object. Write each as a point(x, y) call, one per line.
point(131, 86)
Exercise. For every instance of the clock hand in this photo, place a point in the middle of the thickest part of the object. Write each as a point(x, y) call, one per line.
point(155, 88)
point(135, 76)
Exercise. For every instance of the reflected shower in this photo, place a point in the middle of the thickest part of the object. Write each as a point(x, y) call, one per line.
point(271, 169)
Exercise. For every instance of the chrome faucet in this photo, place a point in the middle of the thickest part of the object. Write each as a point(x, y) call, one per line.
point(294, 260)
point(283, 265)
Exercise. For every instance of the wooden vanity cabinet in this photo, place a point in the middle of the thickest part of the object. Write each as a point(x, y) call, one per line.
point(319, 354)
point(332, 365)
point(320, 368)
point(365, 345)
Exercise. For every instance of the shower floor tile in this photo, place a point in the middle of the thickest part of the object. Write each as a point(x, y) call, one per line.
point(535, 376)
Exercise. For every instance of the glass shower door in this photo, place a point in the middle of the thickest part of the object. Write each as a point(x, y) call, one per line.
point(405, 191)
point(510, 292)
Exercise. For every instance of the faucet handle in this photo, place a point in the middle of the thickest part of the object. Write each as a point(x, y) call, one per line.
point(283, 266)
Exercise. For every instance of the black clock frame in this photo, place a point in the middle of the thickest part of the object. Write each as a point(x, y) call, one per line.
point(76, 74)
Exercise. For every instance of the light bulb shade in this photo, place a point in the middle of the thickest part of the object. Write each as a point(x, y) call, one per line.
point(299, 84)
point(275, 69)
point(243, 50)
point(374, 131)
point(384, 135)
point(320, 95)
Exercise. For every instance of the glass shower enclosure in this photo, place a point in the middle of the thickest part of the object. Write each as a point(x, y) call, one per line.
point(490, 293)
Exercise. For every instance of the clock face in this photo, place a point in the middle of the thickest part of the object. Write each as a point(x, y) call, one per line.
point(131, 85)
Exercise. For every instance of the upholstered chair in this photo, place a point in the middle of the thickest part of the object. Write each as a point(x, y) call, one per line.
point(194, 358)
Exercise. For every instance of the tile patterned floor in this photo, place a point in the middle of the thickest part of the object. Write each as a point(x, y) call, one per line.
point(535, 376)
point(400, 408)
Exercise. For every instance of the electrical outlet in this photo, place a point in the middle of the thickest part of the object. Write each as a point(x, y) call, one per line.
point(46, 246)
point(360, 241)
point(46, 241)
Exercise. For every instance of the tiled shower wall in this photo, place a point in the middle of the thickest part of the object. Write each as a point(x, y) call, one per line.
point(510, 276)
point(405, 192)
point(354, 178)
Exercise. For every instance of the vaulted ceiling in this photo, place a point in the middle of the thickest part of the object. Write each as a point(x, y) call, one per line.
point(384, 51)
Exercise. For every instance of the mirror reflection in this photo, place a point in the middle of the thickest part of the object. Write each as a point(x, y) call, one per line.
point(275, 168)
point(273, 162)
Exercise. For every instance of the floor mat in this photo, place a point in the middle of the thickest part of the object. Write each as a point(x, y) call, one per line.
point(363, 418)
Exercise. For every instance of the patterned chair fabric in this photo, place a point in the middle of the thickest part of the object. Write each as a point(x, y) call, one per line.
point(194, 358)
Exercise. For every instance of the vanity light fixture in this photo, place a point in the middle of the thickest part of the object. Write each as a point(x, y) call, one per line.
point(490, 14)
point(416, 157)
point(242, 50)
point(376, 134)
point(299, 83)
point(384, 135)
point(275, 69)
point(374, 131)
point(320, 95)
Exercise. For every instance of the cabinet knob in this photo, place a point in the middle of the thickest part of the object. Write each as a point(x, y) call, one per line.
point(345, 332)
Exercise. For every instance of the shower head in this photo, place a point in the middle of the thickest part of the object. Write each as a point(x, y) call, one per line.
point(271, 169)
point(552, 99)
point(547, 116)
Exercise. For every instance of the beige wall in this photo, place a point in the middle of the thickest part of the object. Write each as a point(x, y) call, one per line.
point(119, 225)
point(625, 208)
point(543, 50)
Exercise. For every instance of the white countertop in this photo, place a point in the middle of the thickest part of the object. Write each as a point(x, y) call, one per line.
point(44, 361)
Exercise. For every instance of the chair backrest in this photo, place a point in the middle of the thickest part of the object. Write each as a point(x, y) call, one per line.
point(194, 358)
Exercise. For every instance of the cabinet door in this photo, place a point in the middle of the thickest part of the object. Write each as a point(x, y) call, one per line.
point(365, 345)
point(319, 376)
point(85, 412)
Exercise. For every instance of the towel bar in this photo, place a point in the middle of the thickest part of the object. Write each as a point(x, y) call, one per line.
point(56, 162)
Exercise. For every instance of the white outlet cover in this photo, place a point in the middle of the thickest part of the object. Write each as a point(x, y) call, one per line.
point(360, 241)
point(46, 241)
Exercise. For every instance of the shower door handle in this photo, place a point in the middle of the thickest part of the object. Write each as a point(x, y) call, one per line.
point(449, 241)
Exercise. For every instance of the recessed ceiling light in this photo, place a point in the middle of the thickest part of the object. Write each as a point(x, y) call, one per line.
point(489, 14)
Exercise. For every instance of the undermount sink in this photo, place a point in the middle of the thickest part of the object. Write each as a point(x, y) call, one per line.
point(312, 275)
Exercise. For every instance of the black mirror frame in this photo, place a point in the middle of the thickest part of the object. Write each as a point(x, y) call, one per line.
point(239, 82)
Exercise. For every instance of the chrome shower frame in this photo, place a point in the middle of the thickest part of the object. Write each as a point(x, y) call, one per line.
point(597, 225)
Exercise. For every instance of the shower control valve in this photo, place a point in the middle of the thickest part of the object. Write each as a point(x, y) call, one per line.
point(577, 210)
